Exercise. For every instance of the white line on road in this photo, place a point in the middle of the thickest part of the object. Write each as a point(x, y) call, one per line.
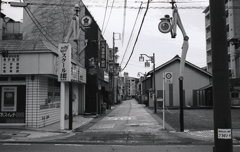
point(68, 145)
point(7, 144)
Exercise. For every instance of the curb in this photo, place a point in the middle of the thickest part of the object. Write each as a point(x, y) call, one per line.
point(159, 120)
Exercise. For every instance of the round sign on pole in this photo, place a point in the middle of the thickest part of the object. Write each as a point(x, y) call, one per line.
point(168, 77)
point(86, 21)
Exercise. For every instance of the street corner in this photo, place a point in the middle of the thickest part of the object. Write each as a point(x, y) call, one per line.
point(11, 135)
point(29, 135)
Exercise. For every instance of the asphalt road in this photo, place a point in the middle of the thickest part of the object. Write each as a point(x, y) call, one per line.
point(28, 147)
point(129, 123)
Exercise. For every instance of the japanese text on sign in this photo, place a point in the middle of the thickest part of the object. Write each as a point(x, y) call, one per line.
point(103, 61)
point(64, 62)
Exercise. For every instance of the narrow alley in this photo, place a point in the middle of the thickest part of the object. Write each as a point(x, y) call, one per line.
point(128, 123)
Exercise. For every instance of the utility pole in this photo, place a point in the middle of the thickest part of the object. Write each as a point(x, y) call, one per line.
point(221, 92)
point(1, 28)
point(113, 77)
point(154, 83)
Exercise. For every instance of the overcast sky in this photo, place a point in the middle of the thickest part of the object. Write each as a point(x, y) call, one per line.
point(150, 39)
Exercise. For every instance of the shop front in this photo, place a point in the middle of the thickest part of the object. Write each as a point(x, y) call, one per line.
point(29, 86)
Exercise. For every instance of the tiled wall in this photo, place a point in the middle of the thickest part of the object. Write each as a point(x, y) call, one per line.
point(36, 94)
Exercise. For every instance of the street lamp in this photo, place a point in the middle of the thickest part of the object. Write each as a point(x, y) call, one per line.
point(167, 25)
point(152, 59)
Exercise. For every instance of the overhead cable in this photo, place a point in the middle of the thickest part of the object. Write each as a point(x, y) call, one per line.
point(137, 35)
point(131, 33)
point(105, 14)
point(39, 28)
point(109, 16)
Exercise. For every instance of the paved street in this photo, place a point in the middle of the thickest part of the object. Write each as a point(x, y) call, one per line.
point(129, 123)
point(27, 147)
point(127, 127)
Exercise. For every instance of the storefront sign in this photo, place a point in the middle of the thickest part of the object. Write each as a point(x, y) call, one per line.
point(11, 64)
point(12, 115)
point(78, 74)
point(64, 72)
point(9, 99)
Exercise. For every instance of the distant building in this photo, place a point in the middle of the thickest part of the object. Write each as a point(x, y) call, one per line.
point(195, 79)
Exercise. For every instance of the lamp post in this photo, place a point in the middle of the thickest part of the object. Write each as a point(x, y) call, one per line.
point(167, 25)
point(152, 59)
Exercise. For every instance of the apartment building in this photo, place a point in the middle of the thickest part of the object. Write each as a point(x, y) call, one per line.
point(233, 38)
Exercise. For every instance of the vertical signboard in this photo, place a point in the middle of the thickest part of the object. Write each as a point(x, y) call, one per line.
point(9, 99)
point(103, 61)
point(64, 69)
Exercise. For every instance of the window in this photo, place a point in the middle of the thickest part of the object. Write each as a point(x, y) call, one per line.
point(3, 78)
point(53, 90)
point(17, 78)
point(234, 95)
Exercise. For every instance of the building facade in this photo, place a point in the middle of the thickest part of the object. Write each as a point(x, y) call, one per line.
point(233, 36)
point(30, 90)
point(171, 90)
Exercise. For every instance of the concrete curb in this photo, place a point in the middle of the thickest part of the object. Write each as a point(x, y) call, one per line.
point(159, 120)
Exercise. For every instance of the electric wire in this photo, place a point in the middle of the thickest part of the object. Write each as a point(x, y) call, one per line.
point(109, 16)
point(131, 34)
point(40, 25)
point(28, 10)
point(39, 28)
point(138, 34)
point(105, 15)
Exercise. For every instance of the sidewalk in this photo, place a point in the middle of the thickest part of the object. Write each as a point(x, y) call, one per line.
point(46, 133)
point(203, 135)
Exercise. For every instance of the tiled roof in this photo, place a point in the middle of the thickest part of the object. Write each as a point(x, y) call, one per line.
point(24, 45)
point(177, 58)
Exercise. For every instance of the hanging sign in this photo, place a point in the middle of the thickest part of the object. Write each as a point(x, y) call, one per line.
point(168, 77)
point(64, 60)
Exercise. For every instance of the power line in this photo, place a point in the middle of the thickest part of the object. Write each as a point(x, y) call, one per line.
point(39, 28)
point(138, 34)
point(131, 33)
point(109, 16)
point(40, 25)
point(105, 14)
